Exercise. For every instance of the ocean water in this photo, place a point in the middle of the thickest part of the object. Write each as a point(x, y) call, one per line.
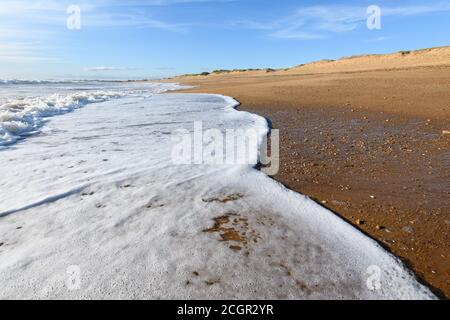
point(25, 105)
point(92, 206)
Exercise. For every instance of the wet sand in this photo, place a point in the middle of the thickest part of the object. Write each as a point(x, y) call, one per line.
point(369, 145)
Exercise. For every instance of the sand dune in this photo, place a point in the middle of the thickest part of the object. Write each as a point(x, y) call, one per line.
point(399, 60)
point(430, 57)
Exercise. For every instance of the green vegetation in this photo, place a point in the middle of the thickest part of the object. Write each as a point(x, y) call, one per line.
point(223, 71)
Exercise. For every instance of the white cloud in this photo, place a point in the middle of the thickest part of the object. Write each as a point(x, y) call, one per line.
point(120, 20)
point(103, 69)
point(37, 23)
point(378, 39)
point(23, 52)
point(95, 13)
point(316, 22)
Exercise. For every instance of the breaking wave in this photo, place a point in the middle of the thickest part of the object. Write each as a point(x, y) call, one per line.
point(24, 116)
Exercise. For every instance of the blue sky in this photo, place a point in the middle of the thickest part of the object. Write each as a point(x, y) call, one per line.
point(156, 38)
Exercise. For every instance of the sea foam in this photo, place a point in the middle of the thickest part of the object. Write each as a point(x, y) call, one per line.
point(97, 201)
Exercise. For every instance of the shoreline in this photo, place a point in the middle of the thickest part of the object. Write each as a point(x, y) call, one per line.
point(353, 160)
point(332, 208)
point(203, 232)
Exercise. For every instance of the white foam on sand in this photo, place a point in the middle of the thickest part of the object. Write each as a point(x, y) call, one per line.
point(97, 190)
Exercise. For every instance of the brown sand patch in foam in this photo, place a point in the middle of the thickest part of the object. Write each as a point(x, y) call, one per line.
point(234, 228)
point(224, 199)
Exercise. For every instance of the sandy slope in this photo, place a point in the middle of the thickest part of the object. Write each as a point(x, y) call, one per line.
point(405, 59)
point(432, 57)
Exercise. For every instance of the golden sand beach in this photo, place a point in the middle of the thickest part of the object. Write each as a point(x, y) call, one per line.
point(367, 137)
